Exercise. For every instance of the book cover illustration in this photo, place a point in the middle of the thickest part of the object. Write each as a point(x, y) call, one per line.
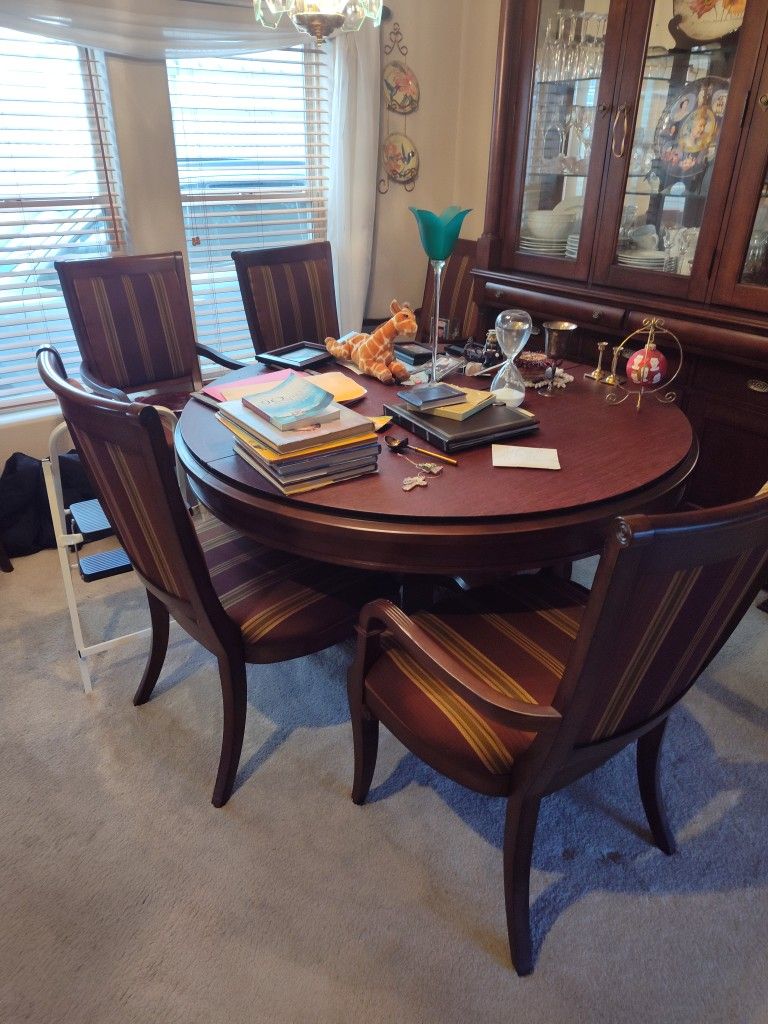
point(293, 403)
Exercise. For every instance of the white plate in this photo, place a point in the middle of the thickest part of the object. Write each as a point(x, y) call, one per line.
point(541, 243)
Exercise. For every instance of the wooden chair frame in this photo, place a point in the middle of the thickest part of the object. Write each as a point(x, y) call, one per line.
point(72, 271)
point(245, 260)
point(556, 758)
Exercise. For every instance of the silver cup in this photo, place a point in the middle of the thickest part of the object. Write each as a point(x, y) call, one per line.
point(556, 338)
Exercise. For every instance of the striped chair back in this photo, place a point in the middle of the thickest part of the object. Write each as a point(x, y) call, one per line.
point(668, 593)
point(288, 294)
point(130, 464)
point(132, 320)
point(456, 293)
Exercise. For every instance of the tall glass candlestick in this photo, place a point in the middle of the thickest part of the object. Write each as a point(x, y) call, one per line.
point(438, 233)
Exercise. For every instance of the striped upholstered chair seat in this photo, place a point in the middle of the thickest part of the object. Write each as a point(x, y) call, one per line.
point(520, 688)
point(520, 650)
point(281, 602)
point(242, 601)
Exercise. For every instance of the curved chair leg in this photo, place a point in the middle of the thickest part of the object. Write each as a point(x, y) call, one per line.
point(648, 750)
point(519, 833)
point(365, 737)
point(160, 619)
point(234, 693)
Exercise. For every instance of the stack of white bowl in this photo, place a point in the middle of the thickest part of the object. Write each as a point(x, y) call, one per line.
point(545, 232)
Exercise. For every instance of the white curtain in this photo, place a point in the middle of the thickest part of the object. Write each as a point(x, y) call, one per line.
point(156, 29)
point(149, 29)
point(355, 102)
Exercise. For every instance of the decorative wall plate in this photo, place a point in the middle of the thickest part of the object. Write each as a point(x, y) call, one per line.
point(401, 88)
point(689, 128)
point(401, 158)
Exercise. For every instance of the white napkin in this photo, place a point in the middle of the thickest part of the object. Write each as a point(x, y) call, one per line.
point(507, 455)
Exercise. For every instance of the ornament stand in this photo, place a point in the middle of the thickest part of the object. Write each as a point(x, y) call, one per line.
point(652, 328)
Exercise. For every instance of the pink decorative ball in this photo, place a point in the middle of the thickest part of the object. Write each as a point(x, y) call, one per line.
point(647, 367)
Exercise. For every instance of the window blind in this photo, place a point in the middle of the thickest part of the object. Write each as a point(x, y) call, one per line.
point(252, 139)
point(59, 197)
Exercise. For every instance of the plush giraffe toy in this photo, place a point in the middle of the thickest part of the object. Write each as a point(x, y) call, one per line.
point(375, 353)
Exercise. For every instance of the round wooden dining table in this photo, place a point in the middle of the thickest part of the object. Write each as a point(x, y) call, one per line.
point(472, 518)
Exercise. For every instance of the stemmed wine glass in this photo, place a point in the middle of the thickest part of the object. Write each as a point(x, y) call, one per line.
point(513, 329)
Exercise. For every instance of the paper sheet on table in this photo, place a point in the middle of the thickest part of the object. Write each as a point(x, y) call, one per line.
point(512, 456)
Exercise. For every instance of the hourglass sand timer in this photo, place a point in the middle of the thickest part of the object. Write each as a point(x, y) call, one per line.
point(513, 329)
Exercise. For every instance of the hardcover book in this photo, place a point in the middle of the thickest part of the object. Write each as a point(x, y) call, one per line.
point(262, 432)
point(309, 484)
point(495, 423)
point(475, 401)
point(430, 396)
point(293, 403)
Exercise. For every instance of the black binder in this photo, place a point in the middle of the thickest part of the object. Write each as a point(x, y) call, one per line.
point(496, 423)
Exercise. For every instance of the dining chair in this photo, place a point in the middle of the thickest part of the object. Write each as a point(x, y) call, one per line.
point(242, 601)
point(456, 294)
point(521, 689)
point(133, 326)
point(288, 294)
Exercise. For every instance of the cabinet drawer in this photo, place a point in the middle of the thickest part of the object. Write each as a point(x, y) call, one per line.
point(710, 339)
point(743, 385)
point(586, 314)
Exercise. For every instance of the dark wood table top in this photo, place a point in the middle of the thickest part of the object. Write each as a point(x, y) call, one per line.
point(614, 460)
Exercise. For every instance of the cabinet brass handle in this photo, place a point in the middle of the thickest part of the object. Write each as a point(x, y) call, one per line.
point(763, 101)
point(761, 386)
point(622, 112)
point(596, 314)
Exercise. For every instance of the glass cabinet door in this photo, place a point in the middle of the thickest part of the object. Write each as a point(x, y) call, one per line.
point(742, 275)
point(664, 170)
point(562, 158)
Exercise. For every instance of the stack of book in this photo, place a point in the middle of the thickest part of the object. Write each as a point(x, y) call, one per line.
point(301, 444)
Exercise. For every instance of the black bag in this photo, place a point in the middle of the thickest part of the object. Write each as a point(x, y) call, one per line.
point(25, 517)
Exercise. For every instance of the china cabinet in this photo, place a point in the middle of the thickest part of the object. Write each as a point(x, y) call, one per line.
point(629, 177)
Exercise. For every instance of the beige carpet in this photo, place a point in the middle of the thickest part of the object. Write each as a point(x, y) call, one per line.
point(125, 896)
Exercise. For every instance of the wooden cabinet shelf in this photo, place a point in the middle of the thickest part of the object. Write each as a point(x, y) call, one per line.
point(691, 120)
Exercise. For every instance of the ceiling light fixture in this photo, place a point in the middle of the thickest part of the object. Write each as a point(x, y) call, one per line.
point(320, 18)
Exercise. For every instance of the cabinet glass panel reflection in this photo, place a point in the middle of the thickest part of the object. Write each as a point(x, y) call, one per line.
point(671, 147)
point(755, 268)
point(569, 63)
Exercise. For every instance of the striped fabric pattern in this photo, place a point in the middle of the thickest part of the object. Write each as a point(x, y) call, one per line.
point(137, 328)
point(293, 302)
point(519, 648)
point(275, 597)
point(671, 629)
point(117, 471)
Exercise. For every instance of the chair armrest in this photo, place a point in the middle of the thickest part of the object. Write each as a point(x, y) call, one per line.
point(216, 357)
point(434, 658)
point(99, 387)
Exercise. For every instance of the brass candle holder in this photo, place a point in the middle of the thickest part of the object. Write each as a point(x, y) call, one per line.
point(599, 373)
point(652, 328)
point(615, 379)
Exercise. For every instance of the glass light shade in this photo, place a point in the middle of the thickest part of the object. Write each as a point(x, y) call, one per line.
point(439, 231)
point(320, 18)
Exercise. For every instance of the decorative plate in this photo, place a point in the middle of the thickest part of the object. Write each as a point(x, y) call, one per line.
point(688, 130)
point(401, 88)
point(704, 21)
point(401, 158)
